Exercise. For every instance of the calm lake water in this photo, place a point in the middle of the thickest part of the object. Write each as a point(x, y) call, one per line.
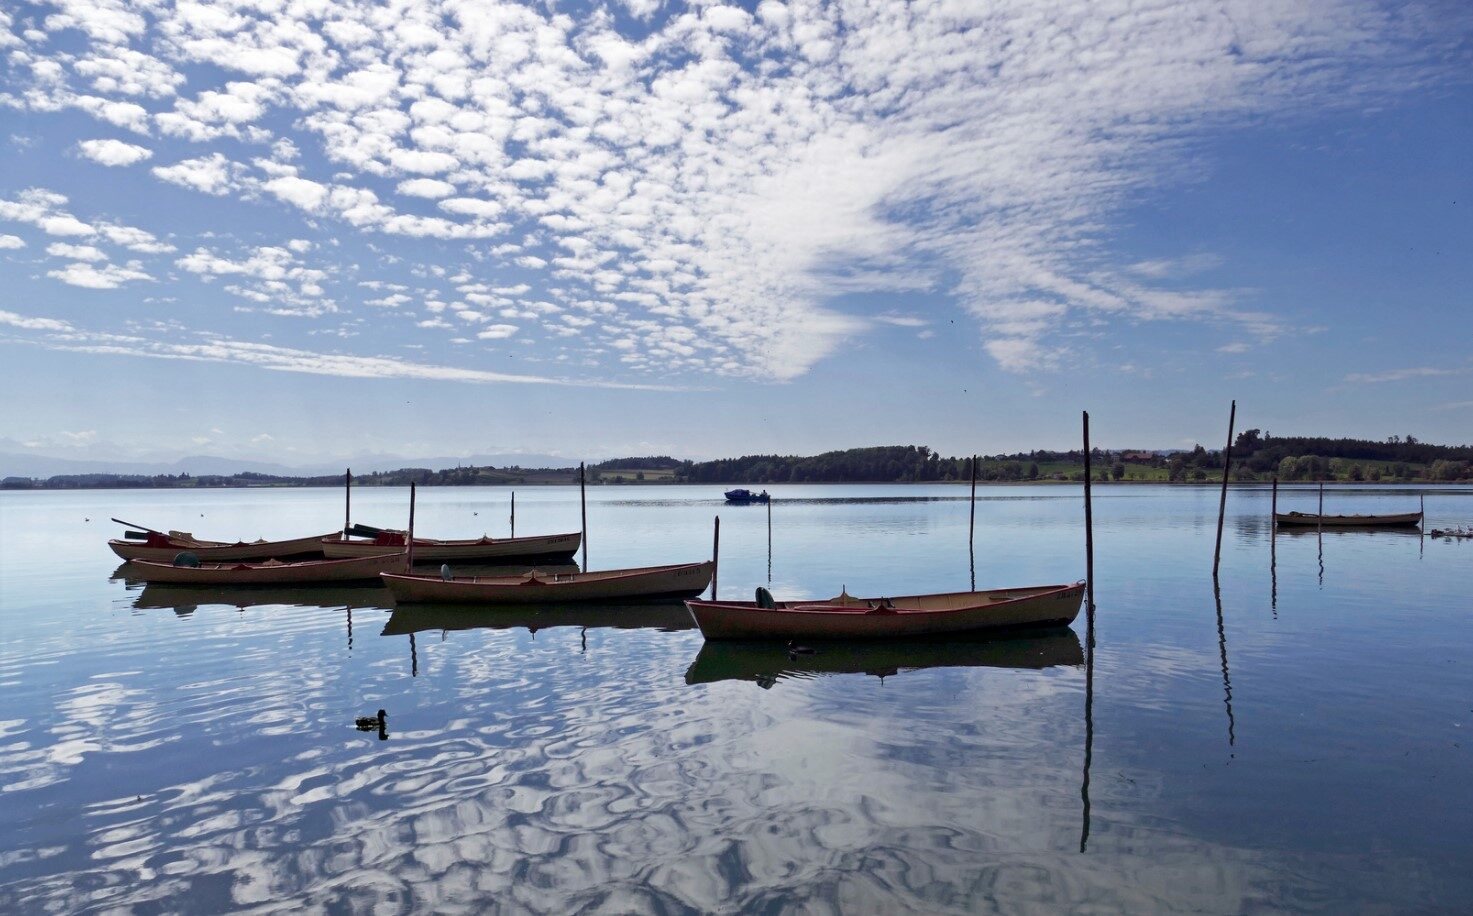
point(1303, 743)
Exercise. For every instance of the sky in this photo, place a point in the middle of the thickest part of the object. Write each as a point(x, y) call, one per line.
point(298, 230)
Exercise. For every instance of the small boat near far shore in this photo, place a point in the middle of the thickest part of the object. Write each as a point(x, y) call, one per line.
point(676, 581)
point(474, 550)
point(742, 495)
point(271, 572)
point(1311, 520)
point(847, 617)
point(164, 547)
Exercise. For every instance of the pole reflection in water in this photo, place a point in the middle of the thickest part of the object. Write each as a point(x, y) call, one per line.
point(1227, 684)
point(1320, 540)
point(413, 657)
point(1089, 721)
point(350, 628)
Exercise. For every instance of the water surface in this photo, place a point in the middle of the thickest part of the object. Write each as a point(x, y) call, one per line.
point(1298, 740)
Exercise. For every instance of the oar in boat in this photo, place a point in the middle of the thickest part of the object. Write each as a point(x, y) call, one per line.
point(143, 528)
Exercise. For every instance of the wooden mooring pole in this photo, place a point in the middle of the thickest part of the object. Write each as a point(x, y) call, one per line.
point(347, 500)
point(409, 542)
point(583, 508)
point(972, 525)
point(715, 555)
point(1089, 529)
point(513, 513)
point(1227, 464)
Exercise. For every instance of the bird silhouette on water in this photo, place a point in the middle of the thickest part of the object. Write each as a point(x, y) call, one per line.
point(369, 723)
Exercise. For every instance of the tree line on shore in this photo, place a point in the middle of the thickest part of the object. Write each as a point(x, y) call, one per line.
point(1256, 456)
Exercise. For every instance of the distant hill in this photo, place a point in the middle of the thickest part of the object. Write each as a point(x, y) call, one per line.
point(1256, 456)
point(17, 464)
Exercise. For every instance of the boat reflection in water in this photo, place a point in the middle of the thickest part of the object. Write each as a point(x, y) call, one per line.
point(665, 615)
point(767, 663)
point(186, 599)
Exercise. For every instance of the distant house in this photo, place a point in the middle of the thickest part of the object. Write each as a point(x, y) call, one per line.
point(1138, 456)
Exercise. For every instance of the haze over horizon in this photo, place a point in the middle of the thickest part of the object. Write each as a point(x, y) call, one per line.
point(297, 231)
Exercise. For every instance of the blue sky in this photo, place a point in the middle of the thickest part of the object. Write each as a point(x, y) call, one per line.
point(297, 231)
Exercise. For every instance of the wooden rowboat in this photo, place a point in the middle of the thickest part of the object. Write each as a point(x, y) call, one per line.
point(271, 572)
point(478, 550)
point(164, 548)
point(767, 664)
point(846, 617)
point(678, 581)
point(1306, 519)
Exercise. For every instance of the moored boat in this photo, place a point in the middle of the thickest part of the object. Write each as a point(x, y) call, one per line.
point(1311, 520)
point(478, 550)
point(677, 581)
point(847, 617)
point(163, 547)
point(271, 572)
point(742, 495)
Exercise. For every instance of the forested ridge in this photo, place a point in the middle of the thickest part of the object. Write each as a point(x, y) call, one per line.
point(1256, 456)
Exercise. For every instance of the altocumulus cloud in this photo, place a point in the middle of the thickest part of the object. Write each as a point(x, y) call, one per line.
point(704, 181)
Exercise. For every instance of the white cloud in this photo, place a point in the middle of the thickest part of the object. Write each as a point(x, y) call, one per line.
point(106, 276)
point(113, 152)
point(426, 187)
point(732, 173)
point(11, 241)
point(33, 324)
point(210, 174)
point(75, 252)
point(497, 332)
point(1401, 375)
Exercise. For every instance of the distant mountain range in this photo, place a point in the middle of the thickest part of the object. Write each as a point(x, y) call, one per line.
point(15, 464)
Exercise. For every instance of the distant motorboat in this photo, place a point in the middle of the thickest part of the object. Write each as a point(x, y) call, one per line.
point(742, 495)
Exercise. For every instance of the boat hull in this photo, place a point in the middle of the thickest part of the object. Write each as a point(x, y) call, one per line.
point(548, 546)
point(219, 551)
point(1305, 520)
point(680, 581)
point(308, 572)
point(915, 615)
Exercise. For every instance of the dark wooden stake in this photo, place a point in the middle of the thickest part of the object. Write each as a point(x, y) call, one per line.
point(347, 500)
point(1273, 512)
point(583, 506)
point(715, 556)
point(972, 525)
point(1089, 525)
point(769, 540)
point(1227, 464)
point(513, 513)
point(409, 543)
